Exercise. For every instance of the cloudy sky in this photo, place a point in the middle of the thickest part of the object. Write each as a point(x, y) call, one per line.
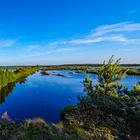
point(69, 31)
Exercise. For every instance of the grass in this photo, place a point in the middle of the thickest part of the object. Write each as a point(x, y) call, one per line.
point(7, 76)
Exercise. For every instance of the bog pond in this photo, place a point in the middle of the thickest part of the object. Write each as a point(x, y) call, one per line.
point(43, 96)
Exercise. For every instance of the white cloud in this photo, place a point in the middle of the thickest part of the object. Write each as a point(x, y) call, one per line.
point(115, 28)
point(32, 47)
point(59, 42)
point(110, 38)
point(47, 52)
point(64, 49)
point(115, 33)
point(7, 42)
point(36, 54)
point(85, 41)
point(107, 33)
point(111, 33)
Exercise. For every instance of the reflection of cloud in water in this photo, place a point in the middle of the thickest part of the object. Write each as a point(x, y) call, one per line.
point(32, 84)
point(63, 81)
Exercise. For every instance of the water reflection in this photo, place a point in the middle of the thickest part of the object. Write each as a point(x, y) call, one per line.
point(5, 91)
point(46, 95)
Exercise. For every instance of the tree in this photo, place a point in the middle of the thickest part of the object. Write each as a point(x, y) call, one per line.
point(108, 76)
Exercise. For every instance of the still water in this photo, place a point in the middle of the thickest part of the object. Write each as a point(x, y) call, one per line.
point(45, 95)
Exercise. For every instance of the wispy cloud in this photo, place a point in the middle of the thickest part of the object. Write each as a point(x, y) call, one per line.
point(32, 47)
point(115, 38)
point(115, 28)
point(7, 42)
point(115, 33)
point(50, 51)
point(107, 33)
point(35, 54)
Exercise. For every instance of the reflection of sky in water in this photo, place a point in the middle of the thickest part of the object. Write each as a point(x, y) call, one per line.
point(44, 96)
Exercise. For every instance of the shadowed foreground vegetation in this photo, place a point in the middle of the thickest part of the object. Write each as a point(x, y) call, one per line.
point(107, 111)
point(36, 129)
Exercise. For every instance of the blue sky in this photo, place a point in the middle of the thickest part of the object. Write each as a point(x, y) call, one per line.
point(68, 31)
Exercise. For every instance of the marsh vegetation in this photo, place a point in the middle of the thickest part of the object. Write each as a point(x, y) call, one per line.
point(7, 76)
point(107, 109)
